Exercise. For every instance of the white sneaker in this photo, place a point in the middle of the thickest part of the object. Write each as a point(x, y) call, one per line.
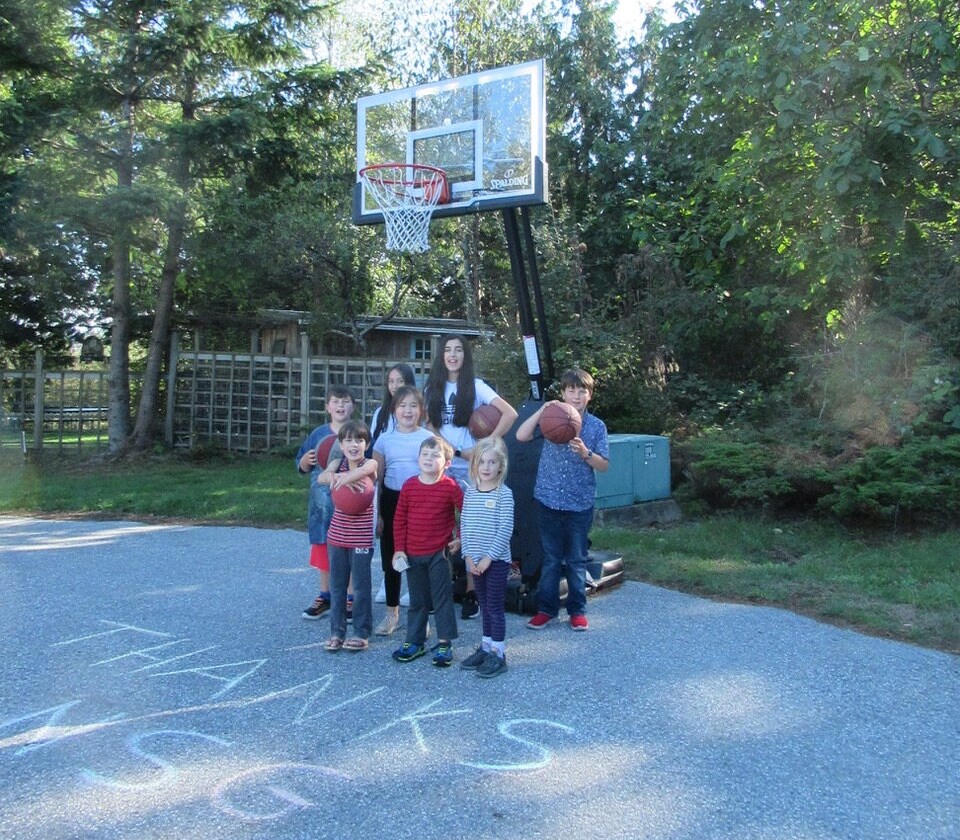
point(404, 599)
point(381, 594)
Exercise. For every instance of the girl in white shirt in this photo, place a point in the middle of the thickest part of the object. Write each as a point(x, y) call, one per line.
point(396, 452)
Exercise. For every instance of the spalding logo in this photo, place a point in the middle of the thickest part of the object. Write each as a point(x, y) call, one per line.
point(510, 180)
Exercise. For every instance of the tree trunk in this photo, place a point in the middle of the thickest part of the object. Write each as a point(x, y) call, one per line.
point(147, 422)
point(118, 403)
point(148, 412)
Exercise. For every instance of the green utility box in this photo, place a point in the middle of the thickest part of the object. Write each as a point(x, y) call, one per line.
point(639, 471)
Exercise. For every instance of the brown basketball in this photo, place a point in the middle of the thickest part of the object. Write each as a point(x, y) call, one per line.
point(352, 501)
point(560, 422)
point(484, 420)
point(324, 448)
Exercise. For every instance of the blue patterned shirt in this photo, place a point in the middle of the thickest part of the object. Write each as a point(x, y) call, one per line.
point(565, 481)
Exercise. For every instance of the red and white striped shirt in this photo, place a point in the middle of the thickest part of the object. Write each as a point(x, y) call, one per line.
point(351, 531)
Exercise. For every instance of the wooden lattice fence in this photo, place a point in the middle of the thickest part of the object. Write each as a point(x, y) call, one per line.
point(239, 401)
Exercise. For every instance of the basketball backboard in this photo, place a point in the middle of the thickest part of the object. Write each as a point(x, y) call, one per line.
point(487, 131)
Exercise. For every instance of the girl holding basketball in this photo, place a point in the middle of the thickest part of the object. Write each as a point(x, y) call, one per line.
point(452, 393)
point(565, 492)
point(350, 536)
point(396, 452)
point(486, 525)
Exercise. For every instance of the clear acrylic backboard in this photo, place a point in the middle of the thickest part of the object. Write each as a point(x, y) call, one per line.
point(487, 131)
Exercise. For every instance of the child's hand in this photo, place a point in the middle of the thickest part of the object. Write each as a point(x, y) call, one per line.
point(578, 447)
point(308, 460)
point(478, 567)
point(453, 546)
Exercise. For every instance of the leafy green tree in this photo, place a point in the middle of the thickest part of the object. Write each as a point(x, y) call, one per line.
point(165, 96)
point(801, 162)
point(41, 298)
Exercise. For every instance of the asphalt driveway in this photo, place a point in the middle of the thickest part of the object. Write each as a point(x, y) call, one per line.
point(158, 682)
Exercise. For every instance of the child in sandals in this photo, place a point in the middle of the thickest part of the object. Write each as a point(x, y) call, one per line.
point(350, 538)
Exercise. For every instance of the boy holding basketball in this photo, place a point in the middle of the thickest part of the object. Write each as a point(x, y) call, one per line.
point(565, 492)
point(319, 505)
point(350, 536)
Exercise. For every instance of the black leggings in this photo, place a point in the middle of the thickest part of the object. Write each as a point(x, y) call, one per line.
point(391, 578)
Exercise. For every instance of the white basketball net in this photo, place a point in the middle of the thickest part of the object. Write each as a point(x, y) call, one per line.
point(406, 195)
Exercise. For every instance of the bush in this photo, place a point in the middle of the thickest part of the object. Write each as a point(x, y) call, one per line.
point(918, 482)
point(746, 474)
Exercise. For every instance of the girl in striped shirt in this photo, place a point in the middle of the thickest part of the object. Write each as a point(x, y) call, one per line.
point(350, 537)
point(486, 525)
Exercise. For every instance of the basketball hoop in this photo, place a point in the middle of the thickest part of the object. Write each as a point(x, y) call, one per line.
point(406, 194)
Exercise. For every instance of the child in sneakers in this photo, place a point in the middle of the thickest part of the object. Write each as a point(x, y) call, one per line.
point(319, 505)
point(565, 491)
point(424, 530)
point(350, 538)
point(397, 453)
point(486, 525)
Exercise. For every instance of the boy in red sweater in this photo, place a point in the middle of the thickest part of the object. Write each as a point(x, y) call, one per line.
point(424, 529)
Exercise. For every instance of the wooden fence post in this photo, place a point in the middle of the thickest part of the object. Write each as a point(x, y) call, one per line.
point(38, 401)
point(172, 361)
point(305, 380)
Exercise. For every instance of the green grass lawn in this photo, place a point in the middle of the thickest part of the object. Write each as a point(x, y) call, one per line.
point(263, 491)
point(901, 586)
point(904, 586)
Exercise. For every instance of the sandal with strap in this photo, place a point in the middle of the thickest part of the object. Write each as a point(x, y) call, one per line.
point(356, 643)
point(334, 643)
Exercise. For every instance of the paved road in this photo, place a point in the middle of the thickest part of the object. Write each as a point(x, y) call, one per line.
point(158, 682)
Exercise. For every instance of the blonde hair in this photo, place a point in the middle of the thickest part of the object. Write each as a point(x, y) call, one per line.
point(498, 448)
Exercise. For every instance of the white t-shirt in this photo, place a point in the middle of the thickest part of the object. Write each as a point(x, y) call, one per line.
point(400, 451)
point(459, 437)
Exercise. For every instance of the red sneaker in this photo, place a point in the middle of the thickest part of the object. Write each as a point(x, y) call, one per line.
point(579, 622)
point(539, 621)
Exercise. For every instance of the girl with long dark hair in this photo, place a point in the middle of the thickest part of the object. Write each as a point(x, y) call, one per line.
point(453, 392)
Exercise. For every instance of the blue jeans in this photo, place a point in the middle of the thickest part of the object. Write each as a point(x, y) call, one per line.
point(347, 563)
point(563, 535)
point(319, 511)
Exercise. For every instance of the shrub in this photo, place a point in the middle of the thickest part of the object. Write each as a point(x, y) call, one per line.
point(918, 481)
point(745, 474)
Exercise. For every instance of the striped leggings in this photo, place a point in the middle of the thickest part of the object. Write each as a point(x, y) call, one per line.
point(491, 589)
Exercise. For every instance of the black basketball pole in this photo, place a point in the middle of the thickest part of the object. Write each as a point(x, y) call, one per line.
point(537, 293)
point(527, 325)
point(525, 457)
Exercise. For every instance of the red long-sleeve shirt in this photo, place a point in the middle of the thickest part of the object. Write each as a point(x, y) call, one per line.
point(426, 515)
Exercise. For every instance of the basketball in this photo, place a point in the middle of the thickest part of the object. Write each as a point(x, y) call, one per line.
point(324, 448)
point(351, 502)
point(483, 421)
point(560, 422)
